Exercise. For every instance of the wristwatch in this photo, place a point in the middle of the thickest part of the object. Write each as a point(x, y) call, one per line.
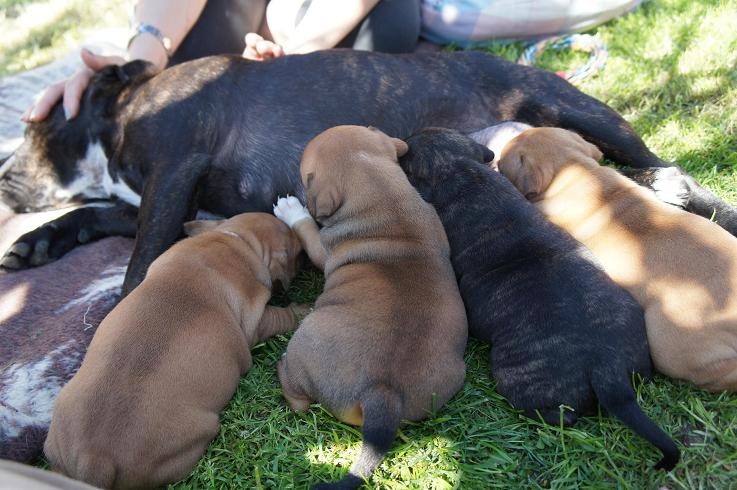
point(142, 27)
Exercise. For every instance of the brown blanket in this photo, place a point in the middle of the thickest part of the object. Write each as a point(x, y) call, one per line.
point(47, 314)
point(47, 318)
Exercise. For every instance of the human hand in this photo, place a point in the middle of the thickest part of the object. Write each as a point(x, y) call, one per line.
point(70, 89)
point(259, 49)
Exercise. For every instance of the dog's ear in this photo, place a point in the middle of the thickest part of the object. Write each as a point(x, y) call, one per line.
point(527, 177)
point(279, 267)
point(132, 71)
point(529, 182)
point(400, 146)
point(113, 74)
point(324, 204)
point(194, 228)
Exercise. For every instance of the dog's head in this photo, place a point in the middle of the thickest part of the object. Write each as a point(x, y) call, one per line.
point(532, 159)
point(432, 151)
point(269, 237)
point(340, 162)
point(63, 162)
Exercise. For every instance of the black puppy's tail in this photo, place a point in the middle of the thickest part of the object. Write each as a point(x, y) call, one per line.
point(382, 413)
point(618, 398)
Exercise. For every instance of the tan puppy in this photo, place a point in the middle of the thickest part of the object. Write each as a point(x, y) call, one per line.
point(162, 365)
point(386, 338)
point(680, 267)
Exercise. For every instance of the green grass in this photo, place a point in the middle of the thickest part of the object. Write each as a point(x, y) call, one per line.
point(672, 73)
point(38, 32)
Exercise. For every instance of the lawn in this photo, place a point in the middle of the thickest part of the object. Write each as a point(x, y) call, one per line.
point(672, 73)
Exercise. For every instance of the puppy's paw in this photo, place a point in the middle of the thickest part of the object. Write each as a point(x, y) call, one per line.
point(290, 210)
point(670, 186)
point(300, 310)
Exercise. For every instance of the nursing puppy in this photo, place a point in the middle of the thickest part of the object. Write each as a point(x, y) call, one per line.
point(148, 151)
point(162, 365)
point(561, 332)
point(681, 268)
point(386, 338)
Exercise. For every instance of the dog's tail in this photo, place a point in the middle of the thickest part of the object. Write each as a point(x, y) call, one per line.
point(382, 413)
point(618, 398)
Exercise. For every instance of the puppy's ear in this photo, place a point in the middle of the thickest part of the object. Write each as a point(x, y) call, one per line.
point(193, 228)
point(280, 268)
point(526, 177)
point(529, 182)
point(324, 204)
point(400, 146)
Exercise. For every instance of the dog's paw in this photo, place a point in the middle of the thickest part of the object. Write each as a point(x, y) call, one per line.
point(38, 247)
point(670, 186)
point(300, 310)
point(290, 210)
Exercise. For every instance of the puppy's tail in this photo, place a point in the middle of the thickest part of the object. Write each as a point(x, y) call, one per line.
point(618, 398)
point(382, 413)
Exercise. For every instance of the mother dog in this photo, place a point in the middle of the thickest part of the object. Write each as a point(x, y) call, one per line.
point(225, 135)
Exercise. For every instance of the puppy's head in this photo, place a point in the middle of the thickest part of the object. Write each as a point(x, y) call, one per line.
point(338, 163)
point(63, 162)
point(532, 159)
point(432, 151)
point(269, 237)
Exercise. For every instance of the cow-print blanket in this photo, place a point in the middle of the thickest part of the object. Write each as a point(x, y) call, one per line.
point(47, 314)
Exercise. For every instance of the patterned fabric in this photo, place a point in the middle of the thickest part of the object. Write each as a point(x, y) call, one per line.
point(470, 22)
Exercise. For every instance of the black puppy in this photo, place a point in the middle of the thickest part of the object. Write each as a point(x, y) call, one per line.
point(561, 332)
point(225, 135)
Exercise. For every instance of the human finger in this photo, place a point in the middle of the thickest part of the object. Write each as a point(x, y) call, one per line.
point(73, 90)
point(44, 102)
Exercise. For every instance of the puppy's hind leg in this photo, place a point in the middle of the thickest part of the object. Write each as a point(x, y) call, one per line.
point(297, 401)
point(719, 374)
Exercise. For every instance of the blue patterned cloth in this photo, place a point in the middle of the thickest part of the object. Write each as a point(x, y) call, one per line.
point(470, 22)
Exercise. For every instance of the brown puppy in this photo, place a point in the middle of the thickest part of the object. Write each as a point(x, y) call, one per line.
point(680, 267)
point(162, 365)
point(386, 338)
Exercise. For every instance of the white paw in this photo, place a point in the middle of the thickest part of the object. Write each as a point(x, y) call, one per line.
point(670, 186)
point(290, 210)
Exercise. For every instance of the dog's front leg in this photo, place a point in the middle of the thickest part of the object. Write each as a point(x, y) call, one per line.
point(168, 200)
point(293, 213)
point(59, 236)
